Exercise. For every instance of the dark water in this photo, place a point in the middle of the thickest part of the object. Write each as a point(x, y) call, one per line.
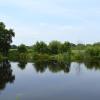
point(28, 81)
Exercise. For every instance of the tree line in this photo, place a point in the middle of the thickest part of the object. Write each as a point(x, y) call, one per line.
point(53, 48)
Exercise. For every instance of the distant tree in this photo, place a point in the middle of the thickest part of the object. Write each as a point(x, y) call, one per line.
point(93, 52)
point(96, 44)
point(80, 46)
point(66, 47)
point(41, 47)
point(13, 47)
point(5, 39)
point(73, 45)
point(22, 49)
point(55, 47)
point(89, 45)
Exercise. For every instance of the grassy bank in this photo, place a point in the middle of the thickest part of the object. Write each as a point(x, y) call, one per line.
point(75, 55)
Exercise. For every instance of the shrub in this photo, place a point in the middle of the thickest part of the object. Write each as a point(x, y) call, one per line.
point(22, 49)
point(41, 57)
point(93, 52)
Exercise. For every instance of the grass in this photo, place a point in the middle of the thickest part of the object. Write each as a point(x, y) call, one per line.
point(76, 55)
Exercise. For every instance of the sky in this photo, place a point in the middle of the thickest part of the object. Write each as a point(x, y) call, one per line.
point(77, 21)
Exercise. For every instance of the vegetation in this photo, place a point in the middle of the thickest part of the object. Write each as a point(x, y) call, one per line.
point(54, 51)
point(22, 49)
point(41, 47)
point(54, 47)
point(1, 57)
point(5, 39)
point(13, 55)
point(93, 52)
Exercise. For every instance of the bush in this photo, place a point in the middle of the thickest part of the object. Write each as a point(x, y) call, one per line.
point(22, 49)
point(77, 56)
point(13, 55)
point(41, 47)
point(23, 57)
point(93, 52)
point(41, 57)
point(54, 47)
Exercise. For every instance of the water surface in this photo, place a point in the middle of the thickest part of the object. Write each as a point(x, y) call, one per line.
point(28, 81)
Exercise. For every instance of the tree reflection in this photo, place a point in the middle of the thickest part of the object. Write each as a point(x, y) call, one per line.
point(58, 67)
point(22, 64)
point(40, 66)
point(6, 75)
point(52, 66)
point(93, 64)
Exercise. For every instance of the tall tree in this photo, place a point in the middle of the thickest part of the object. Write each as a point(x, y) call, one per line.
point(5, 38)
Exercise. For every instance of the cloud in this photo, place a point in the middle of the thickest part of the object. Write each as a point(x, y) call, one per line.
point(46, 20)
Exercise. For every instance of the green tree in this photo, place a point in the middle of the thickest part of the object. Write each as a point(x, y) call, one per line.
point(96, 44)
point(41, 47)
point(93, 52)
point(66, 47)
point(13, 47)
point(22, 49)
point(5, 39)
point(55, 47)
point(80, 46)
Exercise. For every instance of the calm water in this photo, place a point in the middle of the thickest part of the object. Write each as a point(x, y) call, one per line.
point(28, 81)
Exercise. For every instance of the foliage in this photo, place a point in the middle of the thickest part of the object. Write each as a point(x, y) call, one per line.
point(61, 58)
point(41, 57)
point(78, 46)
point(66, 47)
point(5, 39)
point(22, 49)
point(1, 57)
point(23, 57)
point(41, 47)
point(57, 51)
point(54, 47)
point(96, 44)
point(93, 52)
point(14, 47)
point(13, 55)
point(77, 55)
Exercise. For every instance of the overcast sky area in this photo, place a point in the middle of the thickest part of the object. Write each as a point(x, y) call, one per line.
point(77, 21)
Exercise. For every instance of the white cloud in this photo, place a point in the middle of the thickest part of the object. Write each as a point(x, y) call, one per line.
point(48, 30)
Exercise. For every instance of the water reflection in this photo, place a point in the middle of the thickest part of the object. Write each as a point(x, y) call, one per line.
point(65, 67)
point(40, 66)
point(53, 67)
point(6, 75)
point(22, 64)
point(93, 64)
point(29, 85)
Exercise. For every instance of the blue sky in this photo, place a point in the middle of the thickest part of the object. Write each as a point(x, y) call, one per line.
point(77, 21)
